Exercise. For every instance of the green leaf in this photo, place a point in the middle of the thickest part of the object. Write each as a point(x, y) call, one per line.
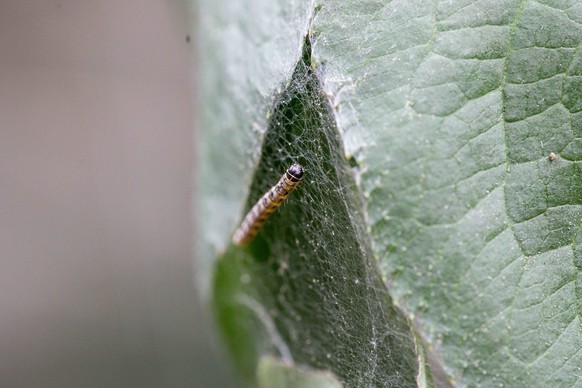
point(431, 218)
point(274, 373)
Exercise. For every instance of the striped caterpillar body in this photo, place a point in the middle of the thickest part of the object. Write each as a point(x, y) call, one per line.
point(268, 203)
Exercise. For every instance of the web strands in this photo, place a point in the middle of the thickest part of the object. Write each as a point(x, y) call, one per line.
point(316, 279)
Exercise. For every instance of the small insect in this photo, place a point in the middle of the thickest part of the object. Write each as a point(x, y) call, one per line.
point(268, 203)
point(552, 156)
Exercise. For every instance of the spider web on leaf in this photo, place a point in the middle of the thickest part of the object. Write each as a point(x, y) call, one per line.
point(307, 288)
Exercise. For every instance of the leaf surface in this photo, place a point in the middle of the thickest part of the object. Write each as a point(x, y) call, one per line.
point(428, 181)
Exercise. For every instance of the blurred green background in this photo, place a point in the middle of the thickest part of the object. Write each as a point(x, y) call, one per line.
point(96, 171)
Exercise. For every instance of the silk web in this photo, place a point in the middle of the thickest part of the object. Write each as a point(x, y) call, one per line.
point(307, 287)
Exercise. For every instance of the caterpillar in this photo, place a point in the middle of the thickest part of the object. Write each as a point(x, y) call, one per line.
point(265, 206)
